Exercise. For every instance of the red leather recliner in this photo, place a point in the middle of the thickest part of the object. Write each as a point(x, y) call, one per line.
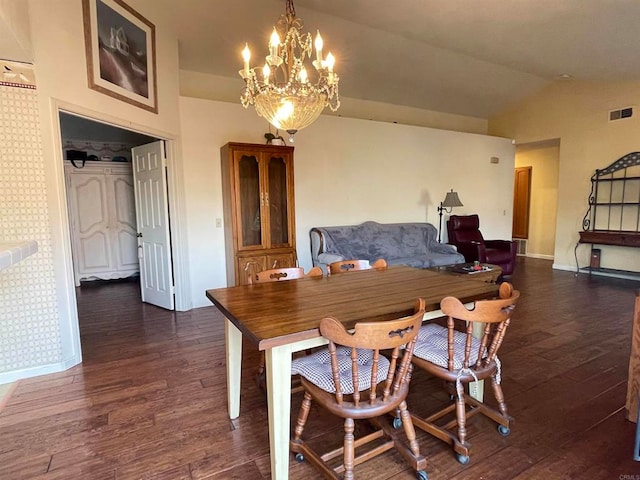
point(464, 233)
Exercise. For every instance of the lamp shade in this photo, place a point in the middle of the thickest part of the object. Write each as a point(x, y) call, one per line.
point(452, 200)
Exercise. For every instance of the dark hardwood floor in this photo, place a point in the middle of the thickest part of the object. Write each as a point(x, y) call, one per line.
point(149, 400)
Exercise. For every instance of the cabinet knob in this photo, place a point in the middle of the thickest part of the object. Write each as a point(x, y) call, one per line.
point(139, 235)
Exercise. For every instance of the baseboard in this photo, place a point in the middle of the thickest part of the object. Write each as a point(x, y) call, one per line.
point(9, 377)
point(568, 268)
point(539, 255)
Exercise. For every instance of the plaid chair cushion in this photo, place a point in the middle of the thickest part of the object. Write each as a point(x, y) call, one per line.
point(316, 368)
point(432, 345)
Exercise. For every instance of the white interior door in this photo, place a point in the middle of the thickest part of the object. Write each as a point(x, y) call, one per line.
point(124, 226)
point(152, 216)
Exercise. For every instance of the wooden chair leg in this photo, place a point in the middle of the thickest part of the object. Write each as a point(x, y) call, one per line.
point(409, 430)
point(461, 418)
point(302, 417)
point(349, 448)
point(497, 392)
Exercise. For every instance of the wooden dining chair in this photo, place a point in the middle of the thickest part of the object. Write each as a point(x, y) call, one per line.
point(353, 380)
point(458, 357)
point(350, 265)
point(278, 275)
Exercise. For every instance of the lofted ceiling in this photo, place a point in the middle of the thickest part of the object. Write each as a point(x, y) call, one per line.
point(468, 57)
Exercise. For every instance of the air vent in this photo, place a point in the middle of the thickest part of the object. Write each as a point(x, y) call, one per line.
point(521, 245)
point(626, 112)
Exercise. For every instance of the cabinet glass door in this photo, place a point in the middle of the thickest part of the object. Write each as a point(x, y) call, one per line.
point(278, 204)
point(249, 201)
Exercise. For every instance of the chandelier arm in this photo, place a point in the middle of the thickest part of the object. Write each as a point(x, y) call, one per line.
point(289, 55)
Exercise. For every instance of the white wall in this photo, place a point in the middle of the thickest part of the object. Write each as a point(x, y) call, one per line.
point(346, 171)
point(576, 113)
point(58, 45)
point(390, 172)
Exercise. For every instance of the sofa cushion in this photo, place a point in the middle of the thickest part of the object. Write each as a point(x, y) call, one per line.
point(440, 259)
point(422, 261)
point(412, 244)
point(316, 368)
point(372, 240)
point(394, 241)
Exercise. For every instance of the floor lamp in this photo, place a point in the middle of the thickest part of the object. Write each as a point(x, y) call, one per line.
point(450, 201)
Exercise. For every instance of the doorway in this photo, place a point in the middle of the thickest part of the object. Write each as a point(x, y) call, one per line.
point(537, 231)
point(104, 223)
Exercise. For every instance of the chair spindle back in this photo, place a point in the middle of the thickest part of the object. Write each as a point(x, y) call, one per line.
point(374, 336)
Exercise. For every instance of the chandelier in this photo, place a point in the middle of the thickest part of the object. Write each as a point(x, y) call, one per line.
point(291, 90)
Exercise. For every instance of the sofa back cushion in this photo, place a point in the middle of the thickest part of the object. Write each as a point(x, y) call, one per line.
point(372, 240)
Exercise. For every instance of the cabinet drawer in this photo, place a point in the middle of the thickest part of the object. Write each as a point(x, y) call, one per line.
point(282, 260)
point(248, 265)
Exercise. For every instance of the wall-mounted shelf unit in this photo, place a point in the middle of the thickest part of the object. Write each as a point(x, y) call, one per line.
point(613, 216)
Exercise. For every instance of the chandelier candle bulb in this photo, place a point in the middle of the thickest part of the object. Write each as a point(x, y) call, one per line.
point(273, 43)
point(266, 71)
point(246, 55)
point(330, 62)
point(318, 50)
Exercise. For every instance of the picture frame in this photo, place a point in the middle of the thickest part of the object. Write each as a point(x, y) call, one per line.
point(121, 52)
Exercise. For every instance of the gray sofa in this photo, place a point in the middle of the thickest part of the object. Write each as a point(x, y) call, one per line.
point(412, 244)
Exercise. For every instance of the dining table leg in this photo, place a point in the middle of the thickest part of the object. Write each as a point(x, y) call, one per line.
point(233, 345)
point(278, 363)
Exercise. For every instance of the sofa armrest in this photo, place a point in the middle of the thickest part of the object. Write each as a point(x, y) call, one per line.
point(317, 245)
point(324, 259)
point(327, 258)
point(472, 251)
point(443, 248)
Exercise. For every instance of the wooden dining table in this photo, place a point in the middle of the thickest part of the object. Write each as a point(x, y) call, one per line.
point(283, 317)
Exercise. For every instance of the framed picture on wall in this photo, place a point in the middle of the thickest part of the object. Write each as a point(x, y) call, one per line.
point(121, 52)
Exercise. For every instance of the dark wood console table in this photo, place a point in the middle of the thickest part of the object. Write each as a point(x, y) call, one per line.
point(610, 237)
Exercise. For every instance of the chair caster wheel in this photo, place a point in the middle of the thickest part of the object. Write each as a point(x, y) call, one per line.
point(397, 422)
point(463, 459)
point(421, 475)
point(299, 458)
point(504, 431)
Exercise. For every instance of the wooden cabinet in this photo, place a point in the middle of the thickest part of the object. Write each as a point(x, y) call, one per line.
point(259, 215)
point(102, 221)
